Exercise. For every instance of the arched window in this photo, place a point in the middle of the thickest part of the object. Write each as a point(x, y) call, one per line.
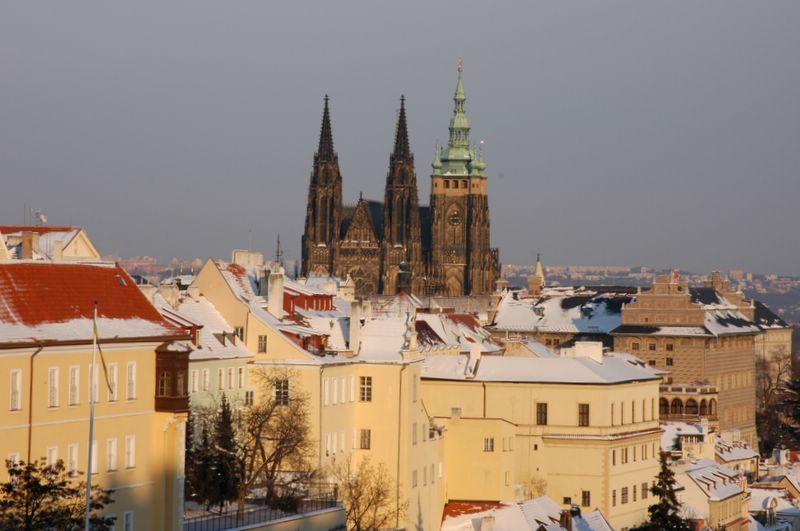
point(677, 407)
point(663, 407)
point(712, 408)
point(703, 408)
point(691, 407)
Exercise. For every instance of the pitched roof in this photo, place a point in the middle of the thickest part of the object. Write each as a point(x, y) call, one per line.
point(42, 301)
point(766, 318)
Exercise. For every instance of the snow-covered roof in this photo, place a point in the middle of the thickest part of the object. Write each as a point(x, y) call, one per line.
point(45, 301)
point(673, 430)
point(716, 482)
point(572, 310)
point(728, 452)
point(215, 339)
point(535, 514)
point(48, 236)
point(579, 370)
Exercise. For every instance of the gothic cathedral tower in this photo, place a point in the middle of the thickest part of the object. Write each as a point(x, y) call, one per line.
point(324, 208)
point(402, 236)
point(463, 262)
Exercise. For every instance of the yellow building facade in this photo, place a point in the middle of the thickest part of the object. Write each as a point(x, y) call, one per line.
point(582, 431)
point(46, 351)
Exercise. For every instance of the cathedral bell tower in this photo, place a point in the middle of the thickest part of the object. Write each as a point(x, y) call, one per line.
point(324, 207)
point(463, 263)
point(402, 240)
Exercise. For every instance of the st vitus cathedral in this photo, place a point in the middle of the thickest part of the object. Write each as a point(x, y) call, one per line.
point(444, 248)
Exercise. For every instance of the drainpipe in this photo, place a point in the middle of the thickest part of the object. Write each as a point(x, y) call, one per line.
point(30, 401)
point(484, 399)
point(321, 370)
point(399, 439)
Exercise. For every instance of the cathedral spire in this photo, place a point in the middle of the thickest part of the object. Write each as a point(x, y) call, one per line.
point(402, 151)
point(325, 151)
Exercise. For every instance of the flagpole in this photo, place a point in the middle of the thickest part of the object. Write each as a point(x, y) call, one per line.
point(92, 385)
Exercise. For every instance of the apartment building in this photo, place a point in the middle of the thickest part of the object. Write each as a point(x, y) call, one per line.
point(46, 345)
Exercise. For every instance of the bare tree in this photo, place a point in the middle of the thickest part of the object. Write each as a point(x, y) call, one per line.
point(535, 487)
point(367, 495)
point(772, 375)
point(273, 440)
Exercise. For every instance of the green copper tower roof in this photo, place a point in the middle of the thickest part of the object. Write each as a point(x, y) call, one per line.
point(458, 158)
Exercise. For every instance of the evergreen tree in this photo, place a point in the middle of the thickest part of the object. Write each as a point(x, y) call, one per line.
point(224, 456)
point(204, 489)
point(189, 458)
point(664, 515)
point(38, 496)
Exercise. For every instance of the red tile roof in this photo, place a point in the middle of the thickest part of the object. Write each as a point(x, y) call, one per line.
point(7, 229)
point(38, 293)
point(458, 508)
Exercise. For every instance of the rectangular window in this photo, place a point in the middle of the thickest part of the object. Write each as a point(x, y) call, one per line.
point(113, 377)
point(413, 478)
point(488, 444)
point(127, 521)
point(624, 456)
point(634, 346)
point(52, 455)
point(586, 498)
point(508, 478)
point(614, 498)
point(669, 362)
point(352, 388)
point(624, 495)
point(281, 391)
point(414, 433)
point(670, 347)
point(248, 398)
point(366, 436)
point(52, 387)
point(111, 454)
point(583, 414)
point(325, 395)
point(241, 378)
point(433, 475)
point(94, 457)
point(130, 451)
point(365, 389)
point(634, 493)
point(644, 490)
point(238, 331)
point(72, 458)
point(567, 500)
point(193, 382)
point(206, 379)
point(335, 390)
point(541, 413)
point(613, 457)
point(131, 395)
point(230, 377)
point(220, 379)
point(262, 344)
point(651, 346)
point(74, 385)
point(15, 399)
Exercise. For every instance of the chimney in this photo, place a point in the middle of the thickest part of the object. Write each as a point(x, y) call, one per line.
point(488, 523)
point(27, 245)
point(565, 520)
point(58, 250)
point(275, 300)
point(263, 283)
point(193, 292)
point(355, 327)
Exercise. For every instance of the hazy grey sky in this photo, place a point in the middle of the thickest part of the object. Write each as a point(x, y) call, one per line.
point(638, 133)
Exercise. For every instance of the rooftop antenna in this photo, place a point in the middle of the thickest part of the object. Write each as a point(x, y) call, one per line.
point(41, 218)
point(279, 252)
